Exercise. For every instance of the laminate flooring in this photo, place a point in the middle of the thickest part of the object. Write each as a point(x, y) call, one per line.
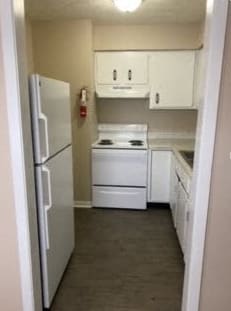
point(123, 261)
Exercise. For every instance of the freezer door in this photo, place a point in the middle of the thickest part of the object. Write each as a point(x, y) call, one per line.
point(119, 167)
point(51, 121)
point(56, 220)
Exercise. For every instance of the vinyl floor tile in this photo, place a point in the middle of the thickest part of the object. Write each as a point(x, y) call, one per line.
point(123, 261)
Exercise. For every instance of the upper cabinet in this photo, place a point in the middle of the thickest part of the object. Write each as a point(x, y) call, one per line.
point(171, 76)
point(121, 74)
point(121, 68)
point(166, 77)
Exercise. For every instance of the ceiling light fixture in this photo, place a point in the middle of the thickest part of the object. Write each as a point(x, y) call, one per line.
point(127, 5)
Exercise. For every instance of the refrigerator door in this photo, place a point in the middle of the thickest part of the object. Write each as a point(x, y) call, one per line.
point(51, 121)
point(56, 219)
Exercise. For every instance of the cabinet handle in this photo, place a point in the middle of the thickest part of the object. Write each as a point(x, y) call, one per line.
point(129, 75)
point(114, 75)
point(157, 99)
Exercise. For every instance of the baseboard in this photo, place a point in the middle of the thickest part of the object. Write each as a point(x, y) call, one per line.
point(82, 204)
point(158, 205)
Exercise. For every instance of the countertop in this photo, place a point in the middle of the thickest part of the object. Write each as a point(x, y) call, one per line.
point(174, 145)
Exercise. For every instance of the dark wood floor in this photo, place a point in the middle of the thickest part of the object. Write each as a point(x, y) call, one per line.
point(123, 261)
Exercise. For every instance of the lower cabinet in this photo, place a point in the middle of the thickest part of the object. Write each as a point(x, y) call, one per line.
point(168, 183)
point(180, 203)
point(159, 179)
point(182, 216)
point(174, 180)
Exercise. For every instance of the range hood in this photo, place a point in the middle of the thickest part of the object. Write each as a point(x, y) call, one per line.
point(122, 91)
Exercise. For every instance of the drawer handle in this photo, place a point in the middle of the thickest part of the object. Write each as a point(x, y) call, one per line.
point(114, 75)
point(129, 75)
point(122, 87)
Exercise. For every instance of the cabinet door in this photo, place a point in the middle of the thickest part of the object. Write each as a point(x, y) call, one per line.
point(108, 68)
point(171, 78)
point(115, 68)
point(186, 233)
point(173, 190)
point(135, 68)
point(181, 216)
point(159, 185)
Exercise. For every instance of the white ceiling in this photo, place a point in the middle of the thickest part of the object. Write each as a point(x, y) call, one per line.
point(104, 12)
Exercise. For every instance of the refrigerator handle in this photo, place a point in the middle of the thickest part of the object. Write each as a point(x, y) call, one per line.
point(47, 206)
point(43, 117)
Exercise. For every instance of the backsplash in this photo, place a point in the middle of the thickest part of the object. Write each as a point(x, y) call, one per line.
point(165, 122)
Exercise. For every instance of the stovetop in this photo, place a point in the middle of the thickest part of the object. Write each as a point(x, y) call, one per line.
point(100, 144)
point(122, 136)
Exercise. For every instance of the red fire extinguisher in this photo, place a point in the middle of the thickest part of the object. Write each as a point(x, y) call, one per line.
point(83, 103)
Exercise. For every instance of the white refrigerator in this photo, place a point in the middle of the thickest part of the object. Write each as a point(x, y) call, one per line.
point(51, 125)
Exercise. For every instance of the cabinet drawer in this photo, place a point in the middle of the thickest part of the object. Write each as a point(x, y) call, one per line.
point(119, 197)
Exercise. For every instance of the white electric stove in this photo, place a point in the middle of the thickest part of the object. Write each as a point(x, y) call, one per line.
point(119, 166)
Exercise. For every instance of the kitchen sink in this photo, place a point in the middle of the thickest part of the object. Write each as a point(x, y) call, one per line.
point(188, 155)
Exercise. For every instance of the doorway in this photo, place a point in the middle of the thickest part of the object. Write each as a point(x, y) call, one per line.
point(220, 10)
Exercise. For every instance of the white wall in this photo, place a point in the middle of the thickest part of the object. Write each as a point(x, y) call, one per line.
point(63, 50)
point(137, 111)
point(216, 280)
point(147, 37)
point(203, 161)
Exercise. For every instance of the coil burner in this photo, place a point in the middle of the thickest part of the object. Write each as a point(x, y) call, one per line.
point(106, 142)
point(136, 142)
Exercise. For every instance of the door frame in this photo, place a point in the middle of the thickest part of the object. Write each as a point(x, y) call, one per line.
point(17, 99)
point(213, 50)
point(214, 45)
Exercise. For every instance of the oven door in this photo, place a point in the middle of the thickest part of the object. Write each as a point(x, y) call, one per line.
point(119, 167)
